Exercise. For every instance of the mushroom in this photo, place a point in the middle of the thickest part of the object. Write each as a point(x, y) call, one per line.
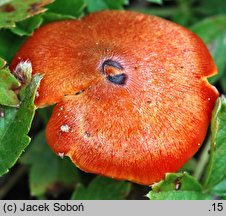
point(131, 92)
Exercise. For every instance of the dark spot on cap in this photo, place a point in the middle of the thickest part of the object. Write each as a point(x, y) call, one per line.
point(79, 92)
point(118, 79)
point(112, 63)
point(114, 66)
point(87, 134)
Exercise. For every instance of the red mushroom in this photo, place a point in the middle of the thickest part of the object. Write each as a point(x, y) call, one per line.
point(133, 100)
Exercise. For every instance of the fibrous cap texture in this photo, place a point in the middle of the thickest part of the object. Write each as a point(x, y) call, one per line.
point(133, 101)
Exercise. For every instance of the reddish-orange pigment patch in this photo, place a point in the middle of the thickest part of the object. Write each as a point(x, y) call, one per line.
point(8, 8)
point(143, 114)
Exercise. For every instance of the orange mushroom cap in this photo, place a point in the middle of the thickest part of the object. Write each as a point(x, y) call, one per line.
point(133, 100)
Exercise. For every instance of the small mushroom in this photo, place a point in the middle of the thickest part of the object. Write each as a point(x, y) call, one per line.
point(144, 102)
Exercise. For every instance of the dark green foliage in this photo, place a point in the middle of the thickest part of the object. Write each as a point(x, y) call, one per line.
point(102, 188)
point(177, 186)
point(46, 169)
point(216, 171)
point(15, 123)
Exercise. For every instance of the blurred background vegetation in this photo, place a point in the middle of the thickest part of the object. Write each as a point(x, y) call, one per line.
point(39, 174)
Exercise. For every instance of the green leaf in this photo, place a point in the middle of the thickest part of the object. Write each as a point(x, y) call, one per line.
point(157, 11)
point(185, 14)
point(177, 186)
point(220, 189)
point(218, 51)
point(116, 5)
point(8, 82)
point(210, 7)
point(213, 32)
point(190, 165)
point(210, 28)
point(72, 8)
point(216, 170)
point(52, 17)
point(96, 5)
point(15, 123)
point(16, 10)
point(9, 44)
point(105, 4)
point(223, 84)
point(2, 63)
point(46, 169)
point(102, 188)
point(155, 1)
point(27, 27)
